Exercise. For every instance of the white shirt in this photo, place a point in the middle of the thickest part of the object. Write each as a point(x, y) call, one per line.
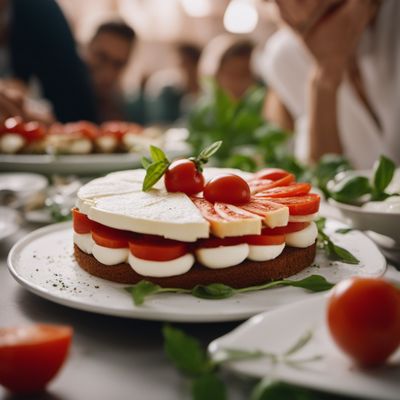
point(287, 66)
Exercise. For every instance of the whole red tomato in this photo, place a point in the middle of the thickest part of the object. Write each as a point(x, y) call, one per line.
point(364, 319)
point(31, 356)
point(228, 188)
point(183, 176)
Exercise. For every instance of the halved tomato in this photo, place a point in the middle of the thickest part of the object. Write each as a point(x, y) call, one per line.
point(294, 189)
point(265, 240)
point(155, 248)
point(110, 237)
point(271, 173)
point(298, 205)
point(31, 356)
point(213, 242)
point(14, 125)
point(256, 186)
point(33, 130)
point(81, 223)
point(284, 230)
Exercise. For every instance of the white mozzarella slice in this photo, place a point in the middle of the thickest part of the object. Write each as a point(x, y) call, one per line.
point(107, 143)
point(222, 256)
point(161, 269)
point(303, 218)
point(80, 146)
point(304, 238)
point(109, 256)
point(11, 143)
point(265, 253)
point(84, 241)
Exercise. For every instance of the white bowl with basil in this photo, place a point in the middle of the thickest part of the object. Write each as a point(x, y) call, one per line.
point(370, 200)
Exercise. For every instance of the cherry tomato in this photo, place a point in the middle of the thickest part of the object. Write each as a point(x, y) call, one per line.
point(183, 176)
point(110, 237)
point(213, 242)
point(229, 188)
point(157, 249)
point(271, 173)
point(81, 223)
point(31, 356)
point(14, 125)
point(364, 319)
point(284, 230)
point(33, 130)
point(298, 205)
point(265, 240)
point(294, 189)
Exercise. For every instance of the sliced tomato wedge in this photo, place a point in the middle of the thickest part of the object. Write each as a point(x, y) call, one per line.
point(294, 189)
point(256, 186)
point(298, 205)
point(207, 209)
point(284, 230)
point(30, 356)
point(231, 212)
point(81, 223)
point(213, 242)
point(155, 248)
point(13, 125)
point(265, 240)
point(271, 173)
point(110, 237)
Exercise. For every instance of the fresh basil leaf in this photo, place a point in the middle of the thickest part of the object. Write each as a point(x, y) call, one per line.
point(351, 189)
point(157, 154)
point(299, 344)
point(146, 162)
point(344, 231)
point(208, 387)
point(154, 173)
point(209, 151)
point(338, 253)
point(272, 390)
point(141, 290)
point(313, 283)
point(383, 174)
point(185, 352)
point(214, 291)
point(320, 222)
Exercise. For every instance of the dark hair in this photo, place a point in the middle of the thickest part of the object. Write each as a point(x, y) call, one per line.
point(119, 28)
point(189, 50)
point(238, 49)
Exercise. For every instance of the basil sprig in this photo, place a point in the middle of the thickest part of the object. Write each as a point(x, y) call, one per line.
point(355, 189)
point(158, 163)
point(189, 357)
point(218, 291)
point(332, 250)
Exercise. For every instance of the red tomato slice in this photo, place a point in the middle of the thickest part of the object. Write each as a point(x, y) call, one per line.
point(213, 242)
point(157, 249)
point(33, 131)
point(271, 173)
point(294, 189)
point(207, 209)
point(300, 205)
point(115, 128)
point(31, 356)
point(110, 237)
point(265, 240)
point(14, 125)
point(85, 128)
point(259, 187)
point(284, 230)
point(81, 223)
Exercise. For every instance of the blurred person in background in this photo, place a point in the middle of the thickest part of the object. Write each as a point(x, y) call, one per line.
point(173, 92)
point(227, 59)
point(37, 49)
point(334, 69)
point(107, 56)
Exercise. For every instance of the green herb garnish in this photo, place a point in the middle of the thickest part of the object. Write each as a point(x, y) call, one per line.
point(158, 163)
point(333, 251)
point(218, 291)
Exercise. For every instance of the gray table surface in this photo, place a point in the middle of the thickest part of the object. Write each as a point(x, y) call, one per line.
point(111, 358)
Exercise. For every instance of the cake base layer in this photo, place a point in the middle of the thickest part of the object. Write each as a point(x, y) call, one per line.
point(248, 273)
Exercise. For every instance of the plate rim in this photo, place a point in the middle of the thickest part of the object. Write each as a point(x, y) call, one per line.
point(135, 313)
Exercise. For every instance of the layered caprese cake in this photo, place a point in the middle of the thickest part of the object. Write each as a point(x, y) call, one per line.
point(195, 226)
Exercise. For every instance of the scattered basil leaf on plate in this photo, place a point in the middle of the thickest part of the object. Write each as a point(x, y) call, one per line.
point(344, 231)
point(154, 173)
point(213, 291)
point(207, 387)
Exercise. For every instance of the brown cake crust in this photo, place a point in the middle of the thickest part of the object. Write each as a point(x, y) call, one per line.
point(248, 273)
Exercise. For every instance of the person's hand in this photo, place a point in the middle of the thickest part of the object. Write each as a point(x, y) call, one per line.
point(11, 103)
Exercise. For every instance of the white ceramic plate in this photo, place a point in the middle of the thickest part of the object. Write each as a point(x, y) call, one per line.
point(43, 263)
point(9, 222)
point(278, 330)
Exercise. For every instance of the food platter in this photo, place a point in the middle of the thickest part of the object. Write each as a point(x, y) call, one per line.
point(43, 263)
